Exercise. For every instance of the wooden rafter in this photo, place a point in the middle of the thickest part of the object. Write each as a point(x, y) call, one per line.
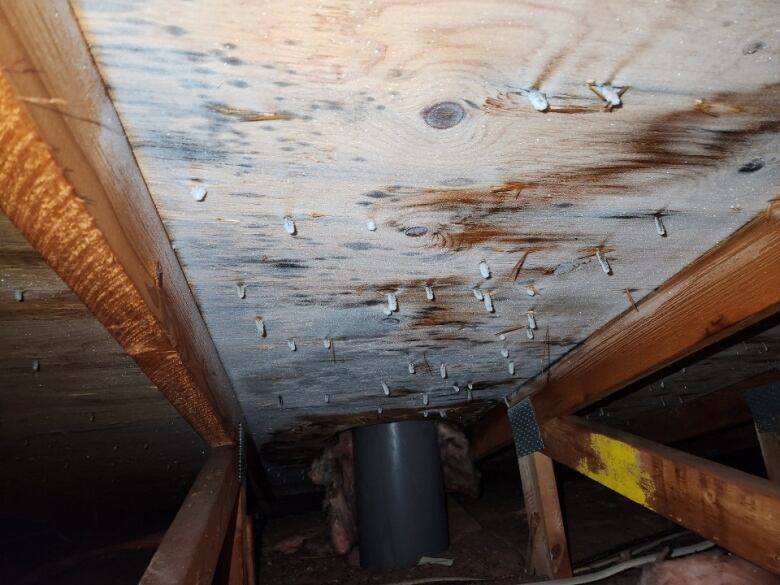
point(192, 545)
point(71, 185)
point(713, 411)
point(736, 510)
point(734, 285)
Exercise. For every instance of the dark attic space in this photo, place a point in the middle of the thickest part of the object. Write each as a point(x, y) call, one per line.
point(389, 293)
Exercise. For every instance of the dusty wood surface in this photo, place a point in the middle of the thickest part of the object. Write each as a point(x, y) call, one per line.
point(46, 60)
point(696, 308)
point(739, 512)
point(191, 546)
point(402, 114)
point(549, 553)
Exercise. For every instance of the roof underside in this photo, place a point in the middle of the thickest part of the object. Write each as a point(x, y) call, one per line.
point(412, 117)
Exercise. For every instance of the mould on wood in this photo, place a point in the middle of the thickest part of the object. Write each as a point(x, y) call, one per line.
point(443, 115)
point(752, 166)
point(416, 231)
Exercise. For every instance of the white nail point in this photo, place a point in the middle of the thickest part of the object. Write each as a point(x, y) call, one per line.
point(429, 293)
point(371, 225)
point(385, 389)
point(198, 193)
point(604, 263)
point(484, 269)
point(260, 324)
point(443, 371)
point(291, 345)
point(289, 225)
point(488, 303)
point(511, 368)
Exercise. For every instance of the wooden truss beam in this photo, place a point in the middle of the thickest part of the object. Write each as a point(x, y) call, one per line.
point(191, 547)
point(548, 553)
point(734, 285)
point(738, 511)
point(70, 183)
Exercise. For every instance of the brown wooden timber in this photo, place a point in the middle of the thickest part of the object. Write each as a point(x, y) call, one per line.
point(190, 548)
point(249, 551)
point(708, 413)
point(734, 285)
point(740, 512)
point(86, 208)
point(548, 551)
point(770, 451)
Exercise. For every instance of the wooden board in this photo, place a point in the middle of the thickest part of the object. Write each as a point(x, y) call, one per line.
point(548, 551)
point(691, 312)
point(82, 202)
point(87, 415)
point(332, 114)
point(737, 511)
point(190, 549)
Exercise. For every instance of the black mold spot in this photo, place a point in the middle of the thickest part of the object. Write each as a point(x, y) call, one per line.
point(174, 30)
point(564, 205)
point(753, 48)
point(456, 182)
point(377, 194)
point(232, 61)
point(751, 167)
point(443, 115)
point(229, 46)
point(416, 231)
point(240, 83)
point(360, 246)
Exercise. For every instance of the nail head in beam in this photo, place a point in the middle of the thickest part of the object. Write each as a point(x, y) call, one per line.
point(737, 511)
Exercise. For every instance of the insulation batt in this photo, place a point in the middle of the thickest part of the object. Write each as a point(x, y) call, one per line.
point(335, 471)
point(706, 569)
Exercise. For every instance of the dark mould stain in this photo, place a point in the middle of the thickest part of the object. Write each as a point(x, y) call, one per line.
point(285, 264)
point(416, 231)
point(360, 246)
point(753, 48)
point(752, 166)
point(443, 115)
point(229, 46)
point(174, 30)
point(376, 194)
point(564, 205)
point(240, 83)
point(456, 182)
point(234, 61)
point(283, 83)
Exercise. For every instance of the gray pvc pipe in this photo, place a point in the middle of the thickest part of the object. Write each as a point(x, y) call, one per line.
point(399, 492)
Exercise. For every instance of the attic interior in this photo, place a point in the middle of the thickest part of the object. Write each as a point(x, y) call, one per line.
point(389, 292)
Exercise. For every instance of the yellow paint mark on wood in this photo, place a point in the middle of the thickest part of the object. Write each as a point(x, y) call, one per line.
point(616, 465)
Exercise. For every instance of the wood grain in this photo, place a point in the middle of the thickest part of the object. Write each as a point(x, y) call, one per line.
point(549, 552)
point(46, 60)
point(403, 113)
point(739, 512)
point(43, 205)
point(731, 287)
point(190, 549)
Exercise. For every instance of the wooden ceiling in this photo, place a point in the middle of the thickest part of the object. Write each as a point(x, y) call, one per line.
point(410, 118)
